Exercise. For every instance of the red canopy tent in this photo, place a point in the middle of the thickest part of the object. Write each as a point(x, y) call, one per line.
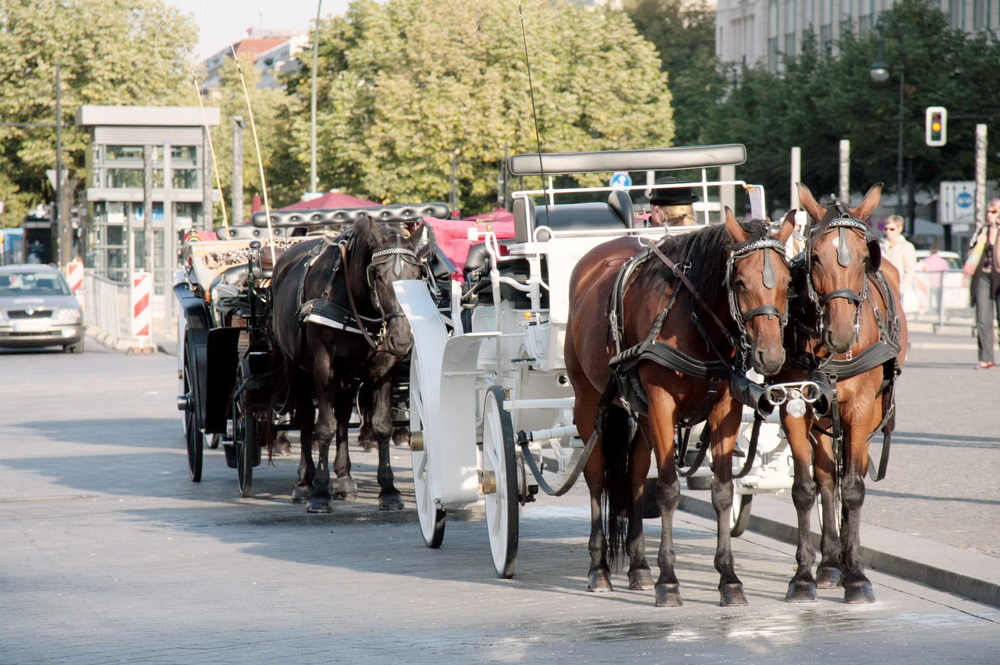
point(330, 201)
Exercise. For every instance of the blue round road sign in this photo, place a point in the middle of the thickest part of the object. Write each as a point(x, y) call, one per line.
point(621, 180)
point(964, 200)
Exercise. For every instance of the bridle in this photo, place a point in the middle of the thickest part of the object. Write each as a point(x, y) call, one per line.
point(398, 254)
point(741, 252)
point(843, 223)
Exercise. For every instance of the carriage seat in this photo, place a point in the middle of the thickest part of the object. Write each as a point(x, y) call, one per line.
point(477, 276)
point(617, 213)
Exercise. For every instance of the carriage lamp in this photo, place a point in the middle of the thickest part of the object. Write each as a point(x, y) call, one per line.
point(795, 396)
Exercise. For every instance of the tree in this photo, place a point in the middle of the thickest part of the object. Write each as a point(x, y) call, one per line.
point(683, 32)
point(265, 105)
point(821, 98)
point(110, 52)
point(404, 91)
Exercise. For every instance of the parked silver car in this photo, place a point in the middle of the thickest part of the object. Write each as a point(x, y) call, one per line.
point(38, 309)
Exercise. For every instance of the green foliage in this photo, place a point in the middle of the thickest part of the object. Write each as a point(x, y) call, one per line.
point(233, 99)
point(407, 84)
point(821, 98)
point(683, 33)
point(110, 51)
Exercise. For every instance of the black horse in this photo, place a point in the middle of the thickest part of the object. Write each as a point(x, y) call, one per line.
point(336, 321)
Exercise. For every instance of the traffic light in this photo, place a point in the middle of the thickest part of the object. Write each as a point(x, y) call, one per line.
point(936, 129)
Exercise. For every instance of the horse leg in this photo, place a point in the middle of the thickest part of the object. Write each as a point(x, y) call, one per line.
point(828, 573)
point(305, 414)
point(662, 410)
point(802, 587)
point(344, 486)
point(599, 575)
point(639, 575)
point(389, 497)
point(366, 435)
point(724, 422)
point(319, 499)
point(857, 587)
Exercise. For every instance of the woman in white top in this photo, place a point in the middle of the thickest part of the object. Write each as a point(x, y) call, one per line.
point(901, 253)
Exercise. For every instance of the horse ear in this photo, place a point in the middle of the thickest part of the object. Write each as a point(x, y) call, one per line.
point(808, 203)
point(734, 228)
point(870, 202)
point(787, 227)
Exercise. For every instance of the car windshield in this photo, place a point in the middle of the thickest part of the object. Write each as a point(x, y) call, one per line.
point(31, 283)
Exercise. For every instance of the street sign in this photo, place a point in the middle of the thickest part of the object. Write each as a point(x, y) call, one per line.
point(956, 204)
point(621, 180)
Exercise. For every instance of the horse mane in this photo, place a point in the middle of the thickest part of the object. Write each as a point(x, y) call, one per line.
point(365, 238)
point(708, 250)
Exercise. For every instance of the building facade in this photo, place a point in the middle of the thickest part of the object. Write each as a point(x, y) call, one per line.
point(181, 195)
point(752, 32)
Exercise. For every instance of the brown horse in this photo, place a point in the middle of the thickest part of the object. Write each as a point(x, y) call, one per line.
point(848, 342)
point(674, 320)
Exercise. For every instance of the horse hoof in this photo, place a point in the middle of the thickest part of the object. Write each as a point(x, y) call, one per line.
point(668, 595)
point(640, 579)
point(319, 506)
point(391, 502)
point(860, 592)
point(599, 582)
point(801, 591)
point(827, 577)
point(732, 595)
point(345, 488)
point(300, 495)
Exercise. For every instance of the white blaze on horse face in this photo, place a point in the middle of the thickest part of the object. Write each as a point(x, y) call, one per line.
point(836, 242)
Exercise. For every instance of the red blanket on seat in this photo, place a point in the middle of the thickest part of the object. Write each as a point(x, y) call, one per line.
point(453, 234)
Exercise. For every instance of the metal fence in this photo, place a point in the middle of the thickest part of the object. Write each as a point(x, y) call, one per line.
point(941, 298)
point(107, 305)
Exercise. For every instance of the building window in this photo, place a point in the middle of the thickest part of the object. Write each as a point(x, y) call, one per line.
point(772, 54)
point(980, 14)
point(956, 11)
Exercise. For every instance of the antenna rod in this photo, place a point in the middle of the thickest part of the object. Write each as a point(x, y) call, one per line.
point(531, 90)
point(312, 103)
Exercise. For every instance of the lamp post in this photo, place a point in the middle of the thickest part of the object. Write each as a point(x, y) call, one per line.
point(880, 74)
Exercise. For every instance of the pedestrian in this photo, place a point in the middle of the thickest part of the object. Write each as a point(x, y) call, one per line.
point(671, 206)
point(902, 254)
point(935, 265)
point(983, 265)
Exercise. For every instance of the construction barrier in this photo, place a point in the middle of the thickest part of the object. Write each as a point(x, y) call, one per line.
point(74, 275)
point(142, 306)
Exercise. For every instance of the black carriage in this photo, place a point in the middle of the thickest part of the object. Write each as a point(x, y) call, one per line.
point(227, 363)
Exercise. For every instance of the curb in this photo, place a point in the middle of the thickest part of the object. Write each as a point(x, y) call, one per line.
point(108, 340)
point(950, 569)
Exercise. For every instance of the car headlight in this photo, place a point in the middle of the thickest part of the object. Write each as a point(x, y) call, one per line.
point(67, 315)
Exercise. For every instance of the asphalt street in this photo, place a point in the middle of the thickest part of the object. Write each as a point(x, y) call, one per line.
point(109, 554)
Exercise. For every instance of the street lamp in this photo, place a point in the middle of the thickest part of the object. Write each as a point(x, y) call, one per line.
point(880, 74)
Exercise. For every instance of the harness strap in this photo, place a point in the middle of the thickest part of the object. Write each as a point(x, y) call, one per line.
point(350, 298)
point(681, 275)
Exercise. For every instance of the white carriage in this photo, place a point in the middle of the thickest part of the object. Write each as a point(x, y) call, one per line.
point(491, 407)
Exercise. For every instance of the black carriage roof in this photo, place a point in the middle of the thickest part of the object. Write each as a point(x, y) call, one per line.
point(399, 213)
point(665, 159)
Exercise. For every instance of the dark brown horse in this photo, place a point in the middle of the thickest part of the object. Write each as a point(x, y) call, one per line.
point(849, 341)
point(675, 321)
point(337, 324)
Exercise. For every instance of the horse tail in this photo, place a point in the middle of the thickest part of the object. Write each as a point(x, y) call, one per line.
point(613, 425)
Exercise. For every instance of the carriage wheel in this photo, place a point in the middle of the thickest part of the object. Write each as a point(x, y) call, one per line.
point(500, 482)
point(244, 432)
point(739, 516)
point(431, 517)
point(195, 437)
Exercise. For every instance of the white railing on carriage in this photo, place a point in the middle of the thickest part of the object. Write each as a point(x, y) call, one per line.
point(108, 309)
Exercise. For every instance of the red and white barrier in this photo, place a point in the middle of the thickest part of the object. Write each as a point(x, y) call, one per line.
point(142, 306)
point(74, 275)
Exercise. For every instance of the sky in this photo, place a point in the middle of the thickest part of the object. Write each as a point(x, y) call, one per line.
point(222, 22)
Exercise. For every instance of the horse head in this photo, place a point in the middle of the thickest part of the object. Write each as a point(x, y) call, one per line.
point(384, 254)
point(840, 252)
point(758, 278)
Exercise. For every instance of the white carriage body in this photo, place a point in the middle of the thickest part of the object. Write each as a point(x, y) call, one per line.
point(517, 344)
